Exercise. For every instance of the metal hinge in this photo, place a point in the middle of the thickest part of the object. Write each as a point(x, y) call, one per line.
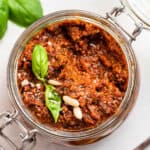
point(28, 137)
point(117, 11)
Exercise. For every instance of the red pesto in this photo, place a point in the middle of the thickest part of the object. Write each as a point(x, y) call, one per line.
point(91, 67)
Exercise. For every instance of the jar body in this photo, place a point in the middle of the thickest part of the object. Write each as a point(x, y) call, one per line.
point(83, 137)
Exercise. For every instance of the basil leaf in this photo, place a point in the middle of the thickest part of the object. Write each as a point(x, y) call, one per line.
point(53, 101)
point(3, 17)
point(40, 62)
point(25, 12)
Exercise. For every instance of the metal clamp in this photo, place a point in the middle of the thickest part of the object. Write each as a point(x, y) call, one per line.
point(144, 145)
point(114, 13)
point(28, 137)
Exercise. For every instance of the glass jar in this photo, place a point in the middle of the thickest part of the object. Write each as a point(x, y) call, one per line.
point(84, 137)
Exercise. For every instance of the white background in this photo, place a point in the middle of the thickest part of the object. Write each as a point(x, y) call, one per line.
point(137, 126)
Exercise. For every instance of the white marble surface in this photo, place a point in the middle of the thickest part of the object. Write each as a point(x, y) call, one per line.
point(137, 126)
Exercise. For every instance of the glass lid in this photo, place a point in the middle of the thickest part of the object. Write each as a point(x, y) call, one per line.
point(139, 9)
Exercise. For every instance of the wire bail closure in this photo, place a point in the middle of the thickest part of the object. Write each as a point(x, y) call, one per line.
point(28, 137)
point(117, 11)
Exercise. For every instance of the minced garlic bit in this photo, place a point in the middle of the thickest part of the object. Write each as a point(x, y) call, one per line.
point(24, 59)
point(38, 85)
point(94, 81)
point(19, 75)
point(24, 82)
point(49, 43)
point(32, 84)
point(93, 45)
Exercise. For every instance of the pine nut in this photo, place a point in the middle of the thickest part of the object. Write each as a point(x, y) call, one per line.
point(54, 82)
point(77, 112)
point(71, 101)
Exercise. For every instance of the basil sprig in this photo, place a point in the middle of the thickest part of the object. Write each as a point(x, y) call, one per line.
point(40, 62)
point(53, 101)
point(40, 70)
point(24, 12)
point(3, 17)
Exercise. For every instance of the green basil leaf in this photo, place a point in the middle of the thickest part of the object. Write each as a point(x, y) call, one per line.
point(53, 101)
point(40, 62)
point(25, 12)
point(3, 17)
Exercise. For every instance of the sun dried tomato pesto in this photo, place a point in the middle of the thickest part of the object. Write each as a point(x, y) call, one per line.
point(91, 67)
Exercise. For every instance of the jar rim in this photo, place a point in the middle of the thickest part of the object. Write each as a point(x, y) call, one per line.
point(114, 121)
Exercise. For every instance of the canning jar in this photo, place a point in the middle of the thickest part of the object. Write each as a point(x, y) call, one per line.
point(22, 117)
